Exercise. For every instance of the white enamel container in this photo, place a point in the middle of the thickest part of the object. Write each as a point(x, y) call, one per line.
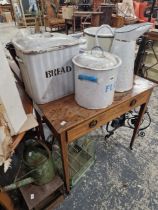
point(124, 45)
point(46, 65)
point(95, 77)
point(105, 36)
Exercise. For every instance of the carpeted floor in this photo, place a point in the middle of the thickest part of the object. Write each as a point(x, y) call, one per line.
point(121, 179)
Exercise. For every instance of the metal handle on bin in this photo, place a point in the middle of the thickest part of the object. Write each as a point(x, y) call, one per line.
point(98, 47)
point(101, 27)
point(93, 123)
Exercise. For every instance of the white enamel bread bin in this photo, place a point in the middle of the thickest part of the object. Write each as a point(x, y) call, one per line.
point(46, 65)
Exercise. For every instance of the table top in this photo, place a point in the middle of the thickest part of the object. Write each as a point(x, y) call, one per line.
point(153, 35)
point(107, 5)
point(80, 13)
point(67, 110)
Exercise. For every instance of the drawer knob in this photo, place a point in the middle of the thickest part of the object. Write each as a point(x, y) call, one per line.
point(93, 123)
point(133, 102)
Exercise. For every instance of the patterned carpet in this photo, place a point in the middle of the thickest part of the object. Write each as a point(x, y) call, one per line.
point(121, 179)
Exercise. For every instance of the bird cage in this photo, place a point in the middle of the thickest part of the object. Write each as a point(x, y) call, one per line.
point(81, 156)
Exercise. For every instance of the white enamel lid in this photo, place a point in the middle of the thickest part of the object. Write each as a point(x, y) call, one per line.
point(39, 43)
point(97, 60)
point(104, 32)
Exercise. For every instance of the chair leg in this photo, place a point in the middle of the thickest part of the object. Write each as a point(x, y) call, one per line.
point(66, 28)
point(82, 27)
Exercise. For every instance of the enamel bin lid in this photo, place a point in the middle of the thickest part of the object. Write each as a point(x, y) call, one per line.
point(97, 60)
point(35, 44)
point(104, 32)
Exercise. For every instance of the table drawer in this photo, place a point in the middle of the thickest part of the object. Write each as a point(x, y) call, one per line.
point(108, 115)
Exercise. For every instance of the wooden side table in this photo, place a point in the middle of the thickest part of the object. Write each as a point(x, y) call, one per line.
point(68, 121)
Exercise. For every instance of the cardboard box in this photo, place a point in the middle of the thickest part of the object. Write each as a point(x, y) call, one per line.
point(9, 97)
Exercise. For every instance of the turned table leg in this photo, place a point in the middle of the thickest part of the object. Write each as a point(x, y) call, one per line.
point(65, 160)
point(74, 24)
point(142, 110)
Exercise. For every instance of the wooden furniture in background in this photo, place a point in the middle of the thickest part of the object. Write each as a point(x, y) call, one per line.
point(7, 8)
point(6, 202)
point(67, 13)
point(84, 15)
point(152, 35)
point(96, 18)
point(96, 4)
point(54, 22)
point(51, 19)
point(117, 21)
point(68, 121)
point(107, 10)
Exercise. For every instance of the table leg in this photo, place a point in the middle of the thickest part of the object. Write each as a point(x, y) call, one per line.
point(74, 24)
point(64, 153)
point(5, 201)
point(95, 20)
point(142, 110)
point(66, 27)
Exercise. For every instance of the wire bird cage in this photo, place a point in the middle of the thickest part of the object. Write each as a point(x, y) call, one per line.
point(81, 155)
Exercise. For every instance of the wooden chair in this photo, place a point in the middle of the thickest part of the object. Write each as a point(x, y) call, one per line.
point(86, 22)
point(54, 22)
point(51, 19)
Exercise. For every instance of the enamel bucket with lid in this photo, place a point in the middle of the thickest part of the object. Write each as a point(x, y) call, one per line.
point(95, 77)
point(105, 35)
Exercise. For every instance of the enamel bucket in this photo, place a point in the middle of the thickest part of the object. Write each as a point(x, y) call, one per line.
point(95, 77)
point(105, 35)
